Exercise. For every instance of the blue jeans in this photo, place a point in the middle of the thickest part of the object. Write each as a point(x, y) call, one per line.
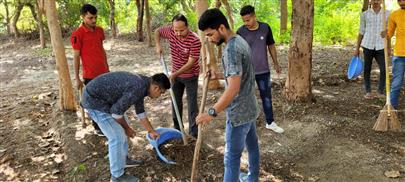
point(264, 84)
point(117, 140)
point(236, 138)
point(398, 71)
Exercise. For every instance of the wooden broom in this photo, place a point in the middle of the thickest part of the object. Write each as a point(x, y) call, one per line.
point(388, 118)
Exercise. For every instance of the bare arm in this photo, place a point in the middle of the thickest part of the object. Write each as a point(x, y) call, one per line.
point(76, 63)
point(184, 68)
point(357, 49)
point(273, 54)
point(229, 94)
point(157, 41)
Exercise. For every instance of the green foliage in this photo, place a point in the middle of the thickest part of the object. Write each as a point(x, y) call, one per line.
point(46, 52)
point(81, 168)
point(335, 22)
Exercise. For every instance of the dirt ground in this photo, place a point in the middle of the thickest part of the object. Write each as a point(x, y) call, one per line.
point(330, 139)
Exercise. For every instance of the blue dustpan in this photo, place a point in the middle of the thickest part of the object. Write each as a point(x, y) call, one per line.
point(166, 134)
point(355, 67)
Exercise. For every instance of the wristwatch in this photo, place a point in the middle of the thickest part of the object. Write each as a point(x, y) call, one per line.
point(212, 112)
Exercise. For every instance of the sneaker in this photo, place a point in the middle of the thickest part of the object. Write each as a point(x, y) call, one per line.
point(243, 177)
point(133, 163)
point(99, 133)
point(273, 126)
point(124, 178)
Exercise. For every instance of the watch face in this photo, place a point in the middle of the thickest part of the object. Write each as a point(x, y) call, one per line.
point(211, 111)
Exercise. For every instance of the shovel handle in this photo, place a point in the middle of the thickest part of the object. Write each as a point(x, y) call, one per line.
point(81, 108)
point(201, 128)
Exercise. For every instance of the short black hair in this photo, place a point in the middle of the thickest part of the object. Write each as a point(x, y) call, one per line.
point(247, 10)
point(212, 18)
point(161, 80)
point(180, 17)
point(88, 8)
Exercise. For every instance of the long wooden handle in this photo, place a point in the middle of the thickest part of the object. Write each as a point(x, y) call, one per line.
point(201, 128)
point(81, 108)
point(176, 109)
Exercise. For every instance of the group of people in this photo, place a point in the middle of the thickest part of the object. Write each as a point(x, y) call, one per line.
point(371, 39)
point(108, 95)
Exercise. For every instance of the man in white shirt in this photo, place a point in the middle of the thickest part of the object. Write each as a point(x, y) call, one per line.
point(371, 39)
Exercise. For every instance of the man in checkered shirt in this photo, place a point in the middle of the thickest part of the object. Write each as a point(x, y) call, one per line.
point(371, 39)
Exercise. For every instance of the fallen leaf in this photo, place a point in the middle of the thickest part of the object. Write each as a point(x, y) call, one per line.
point(392, 174)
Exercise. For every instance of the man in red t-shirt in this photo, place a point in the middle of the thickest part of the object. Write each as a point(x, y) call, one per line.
point(185, 51)
point(87, 43)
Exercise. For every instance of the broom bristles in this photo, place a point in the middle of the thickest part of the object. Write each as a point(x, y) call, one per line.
point(387, 120)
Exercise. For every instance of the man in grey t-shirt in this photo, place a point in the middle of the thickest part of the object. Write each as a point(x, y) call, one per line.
point(260, 38)
point(238, 99)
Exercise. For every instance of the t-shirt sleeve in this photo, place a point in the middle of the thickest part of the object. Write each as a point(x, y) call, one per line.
point(165, 32)
point(75, 40)
point(362, 24)
point(126, 101)
point(233, 62)
point(195, 49)
point(270, 38)
point(102, 34)
point(391, 25)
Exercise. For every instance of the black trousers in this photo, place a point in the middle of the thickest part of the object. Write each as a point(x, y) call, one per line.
point(191, 87)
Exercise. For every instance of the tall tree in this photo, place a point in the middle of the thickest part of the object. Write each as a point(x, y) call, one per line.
point(66, 97)
point(38, 18)
point(41, 10)
point(298, 82)
point(140, 6)
point(284, 16)
point(229, 13)
point(113, 25)
point(365, 5)
point(148, 19)
point(18, 9)
point(7, 18)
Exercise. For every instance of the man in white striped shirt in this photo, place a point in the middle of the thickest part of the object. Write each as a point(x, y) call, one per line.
point(371, 39)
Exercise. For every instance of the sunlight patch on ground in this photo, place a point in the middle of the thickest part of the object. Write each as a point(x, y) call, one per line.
point(8, 171)
point(18, 123)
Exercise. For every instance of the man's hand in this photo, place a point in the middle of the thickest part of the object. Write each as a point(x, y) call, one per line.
point(356, 52)
point(159, 50)
point(154, 135)
point(130, 132)
point(79, 83)
point(277, 68)
point(172, 78)
point(383, 34)
point(211, 74)
point(203, 118)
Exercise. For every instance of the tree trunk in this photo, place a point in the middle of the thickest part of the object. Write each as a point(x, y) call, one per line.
point(298, 82)
point(208, 52)
point(7, 17)
point(18, 9)
point(113, 26)
point(66, 96)
point(140, 6)
point(365, 5)
point(148, 19)
point(284, 16)
point(228, 12)
point(39, 22)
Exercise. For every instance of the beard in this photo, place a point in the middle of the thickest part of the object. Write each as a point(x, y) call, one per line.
point(221, 40)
